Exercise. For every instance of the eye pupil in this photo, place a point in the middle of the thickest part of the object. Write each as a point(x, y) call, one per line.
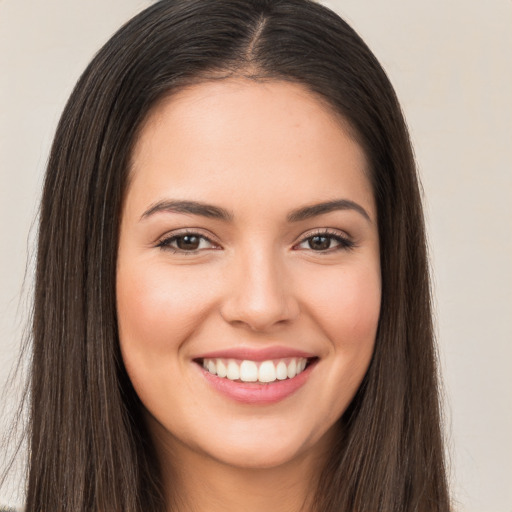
point(318, 243)
point(188, 242)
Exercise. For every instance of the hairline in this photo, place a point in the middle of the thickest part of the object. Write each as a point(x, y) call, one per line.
point(249, 74)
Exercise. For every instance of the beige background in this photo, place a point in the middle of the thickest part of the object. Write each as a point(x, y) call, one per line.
point(451, 64)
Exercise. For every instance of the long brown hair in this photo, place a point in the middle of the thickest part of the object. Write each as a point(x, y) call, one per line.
point(89, 448)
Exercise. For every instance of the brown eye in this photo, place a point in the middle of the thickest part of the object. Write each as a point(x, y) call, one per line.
point(188, 242)
point(320, 243)
point(326, 242)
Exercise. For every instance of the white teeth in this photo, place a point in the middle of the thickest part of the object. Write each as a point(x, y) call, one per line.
point(248, 371)
point(281, 371)
point(252, 371)
point(292, 369)
point(267, 372)
point(233, 372)
point(222, 371)
point(212, 367)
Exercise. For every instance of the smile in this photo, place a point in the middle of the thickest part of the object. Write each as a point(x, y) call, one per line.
point(255, 371)
point(256, 380)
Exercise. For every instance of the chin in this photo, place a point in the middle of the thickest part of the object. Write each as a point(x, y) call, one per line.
point(256, 456)
point(270, 446)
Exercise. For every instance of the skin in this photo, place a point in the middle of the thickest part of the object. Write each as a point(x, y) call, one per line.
point(259, 151)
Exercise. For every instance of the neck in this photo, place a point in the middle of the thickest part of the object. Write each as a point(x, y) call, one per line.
point(199, 483)
point(217, 487)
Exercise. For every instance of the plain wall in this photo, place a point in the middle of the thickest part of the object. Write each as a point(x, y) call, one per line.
point(450, 62)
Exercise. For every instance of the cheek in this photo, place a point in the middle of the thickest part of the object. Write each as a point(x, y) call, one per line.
point(347, 309)
point(346, 304)
point(157, 307)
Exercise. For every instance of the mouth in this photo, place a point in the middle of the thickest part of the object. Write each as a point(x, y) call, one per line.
point(256, 382)
point(260, 372)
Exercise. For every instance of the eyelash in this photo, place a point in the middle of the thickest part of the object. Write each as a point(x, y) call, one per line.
point(344, 242)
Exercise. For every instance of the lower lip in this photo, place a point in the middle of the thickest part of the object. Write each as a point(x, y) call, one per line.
point(257, 393)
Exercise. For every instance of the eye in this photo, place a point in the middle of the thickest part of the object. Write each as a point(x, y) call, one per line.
point(188, 242)
point(326, 241)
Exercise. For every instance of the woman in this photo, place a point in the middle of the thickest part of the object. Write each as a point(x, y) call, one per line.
point(232, 306)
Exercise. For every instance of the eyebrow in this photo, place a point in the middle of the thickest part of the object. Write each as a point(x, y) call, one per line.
point(314, 210)
point(189, 207)
point(216, 212)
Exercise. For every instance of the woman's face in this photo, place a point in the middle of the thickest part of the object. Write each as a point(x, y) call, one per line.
point(248, 249)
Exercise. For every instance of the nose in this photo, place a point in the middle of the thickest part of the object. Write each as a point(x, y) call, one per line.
point(260, 296)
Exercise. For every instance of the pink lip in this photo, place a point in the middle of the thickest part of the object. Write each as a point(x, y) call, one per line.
point(256, 393)
point(260, 354)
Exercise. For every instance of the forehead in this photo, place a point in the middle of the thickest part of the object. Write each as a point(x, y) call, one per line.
point(231, 138)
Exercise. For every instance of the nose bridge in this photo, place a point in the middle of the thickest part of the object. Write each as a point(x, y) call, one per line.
point(260, 294)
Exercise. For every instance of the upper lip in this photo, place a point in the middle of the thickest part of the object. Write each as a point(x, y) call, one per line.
point(256, 354)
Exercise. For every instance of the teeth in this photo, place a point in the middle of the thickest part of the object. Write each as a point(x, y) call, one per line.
point(267, 372)
point(233, 371)
point(212, 367)
point(252, 371)
point(222, 371)
point(281, 370)
point(248, 371)
point(292, 369)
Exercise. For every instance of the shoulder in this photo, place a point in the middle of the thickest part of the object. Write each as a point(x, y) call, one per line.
point(8, 509)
